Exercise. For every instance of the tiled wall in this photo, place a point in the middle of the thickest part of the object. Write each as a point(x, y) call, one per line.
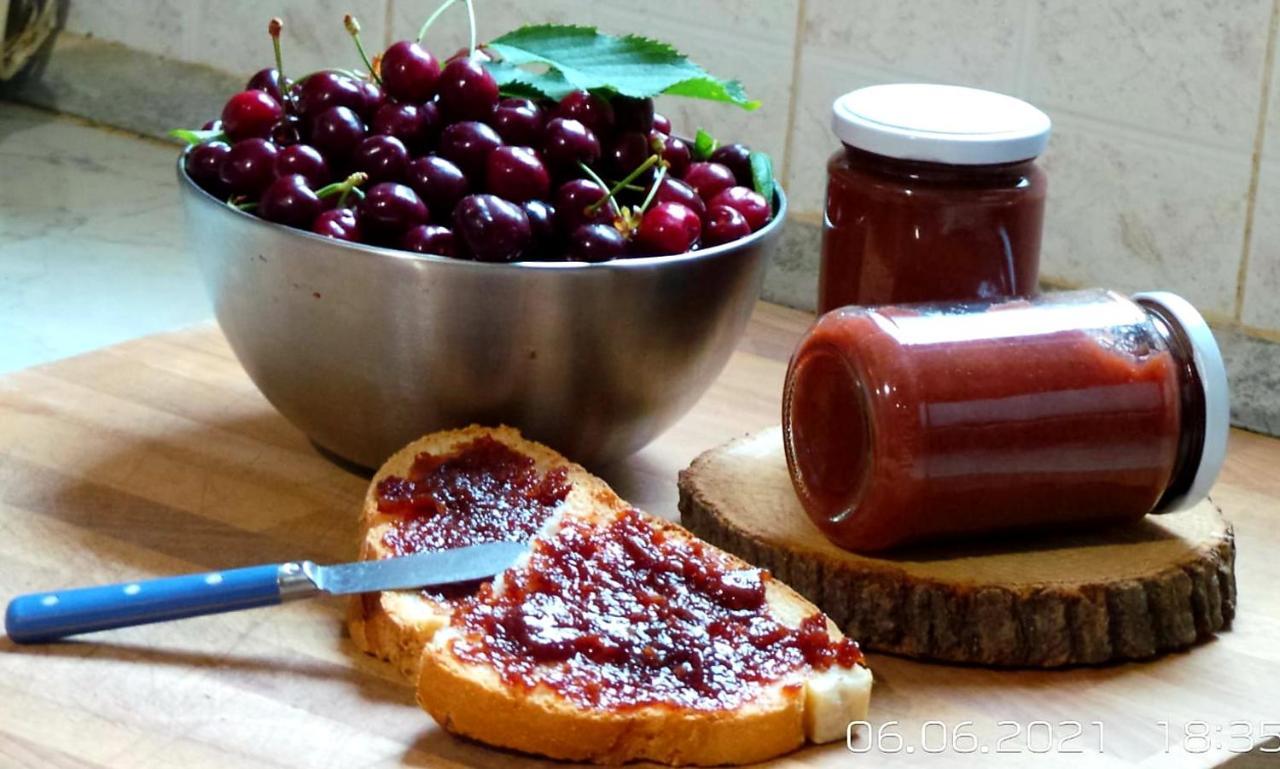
point(1165, 159)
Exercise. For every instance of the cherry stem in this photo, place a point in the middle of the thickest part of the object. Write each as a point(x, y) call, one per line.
point(343, 188)
point(471, 19)
point(629, 178)
point(353, 28)
point(607, 195)
point(274, 27)
point(653, 191)
point(422, 31)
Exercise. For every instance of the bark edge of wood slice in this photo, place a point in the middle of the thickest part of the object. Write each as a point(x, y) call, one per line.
point(1124, 593)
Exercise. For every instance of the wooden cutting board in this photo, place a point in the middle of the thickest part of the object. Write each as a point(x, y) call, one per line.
point(159, 456)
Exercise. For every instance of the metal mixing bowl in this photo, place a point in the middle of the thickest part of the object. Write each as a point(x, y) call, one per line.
point(365, 349)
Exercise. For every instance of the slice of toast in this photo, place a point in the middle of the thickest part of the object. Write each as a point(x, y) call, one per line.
point(487, 670)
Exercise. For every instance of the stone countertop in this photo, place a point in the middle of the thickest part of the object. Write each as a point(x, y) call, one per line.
point(91, 239)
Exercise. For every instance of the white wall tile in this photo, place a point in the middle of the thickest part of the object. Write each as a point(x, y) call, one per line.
point(1131, 212)
point(1261, 306)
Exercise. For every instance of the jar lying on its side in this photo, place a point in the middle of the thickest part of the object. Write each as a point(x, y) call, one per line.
point(915, 422)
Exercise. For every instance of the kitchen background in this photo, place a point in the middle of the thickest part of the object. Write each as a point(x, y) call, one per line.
point(1164, 162)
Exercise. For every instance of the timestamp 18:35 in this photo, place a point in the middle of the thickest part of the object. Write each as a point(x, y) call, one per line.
point(963, 737)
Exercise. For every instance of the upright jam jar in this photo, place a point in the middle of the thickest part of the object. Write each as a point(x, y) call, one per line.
point(917, 422)
point(935, 195)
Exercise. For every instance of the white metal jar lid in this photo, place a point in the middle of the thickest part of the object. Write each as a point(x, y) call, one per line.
point(940, 124)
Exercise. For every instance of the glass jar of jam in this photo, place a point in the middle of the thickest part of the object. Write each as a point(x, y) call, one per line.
point(916, 422)
point(934, 196)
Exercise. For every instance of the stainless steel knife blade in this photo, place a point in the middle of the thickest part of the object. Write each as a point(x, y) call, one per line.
point(444, 567)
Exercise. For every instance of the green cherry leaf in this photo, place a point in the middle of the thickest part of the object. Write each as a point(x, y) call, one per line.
point(762, 175)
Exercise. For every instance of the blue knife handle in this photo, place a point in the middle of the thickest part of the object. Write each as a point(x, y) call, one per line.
point(41, 617)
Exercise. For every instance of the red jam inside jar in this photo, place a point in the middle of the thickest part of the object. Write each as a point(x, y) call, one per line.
point(934, 196)
point(918, 422)
point(617, 614)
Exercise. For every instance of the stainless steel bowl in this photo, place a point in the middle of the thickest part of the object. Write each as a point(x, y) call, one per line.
point(365, 349)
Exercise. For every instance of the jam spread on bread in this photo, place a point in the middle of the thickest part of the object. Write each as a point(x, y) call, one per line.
point(483, 491)
point(617, 614)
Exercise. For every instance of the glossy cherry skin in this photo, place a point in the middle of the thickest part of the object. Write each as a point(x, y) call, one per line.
point(661, 123)
point(305, 160)
point(592, 111)
point(383, 158)
point(629, 150)
point(338, 223)
point(519, 121)
point(709, 179)
point(668, 228)
point(389, 209)
point(286, 132)
point(325, 90)
point(631, 114)
point(250, 114)
point(267, 80)
point(409, 72)
point(212, 125)
point(568, 142)
point(675, 151)
point(439, 182)
point(204, 166)
point(409, 123)
point(249, 167)
point(596, 243)
point(493, 229)
point(542, 223)
point(517, 174)
point(370, 99)
point(429, 239)
point(574, 197)
point(676, 191)
point(747, 202)
point(337, 132)
point(724, 225)
point(737, 158)
point(467, 91)
point(289, 200)
point(467, 145)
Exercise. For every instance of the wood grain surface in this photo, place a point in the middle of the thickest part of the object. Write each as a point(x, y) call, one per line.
point(159, 456)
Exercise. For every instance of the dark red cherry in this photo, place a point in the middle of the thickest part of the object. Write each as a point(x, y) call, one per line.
point(249, 167)
point(370, 99)
point(592, 111)
point(429, 239)
point(467, 91)
point(661, 123)
point(336, 132)
point(339, 223)
point(631, 114)
point(747, 202)
point(325, 90)
point(567, 143)
point(406, 122)
point(596, 243)
point(517, 174)
point(737, 158)
point(675, 151)
point(709, 179)
point(629, 150)
point(212, 125)
point(438, 182)
point(287, 132)
point(467, 145)
point(305, 160)
point(724, 225)
point(250, 114)
point(409, 72)
point(574, 198)
point(493, 229)
point(383, 158)
point(388, 209)
point(519, 121)
point(542, 223)
point(289, 200)
point(267, 80)
point(676, 191)
point(668, 228)
point(204, 166)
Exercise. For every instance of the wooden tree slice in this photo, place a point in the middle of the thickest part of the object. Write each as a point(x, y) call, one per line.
point(1128, 592)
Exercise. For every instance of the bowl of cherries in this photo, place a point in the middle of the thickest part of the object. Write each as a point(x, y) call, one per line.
point(422, 243)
